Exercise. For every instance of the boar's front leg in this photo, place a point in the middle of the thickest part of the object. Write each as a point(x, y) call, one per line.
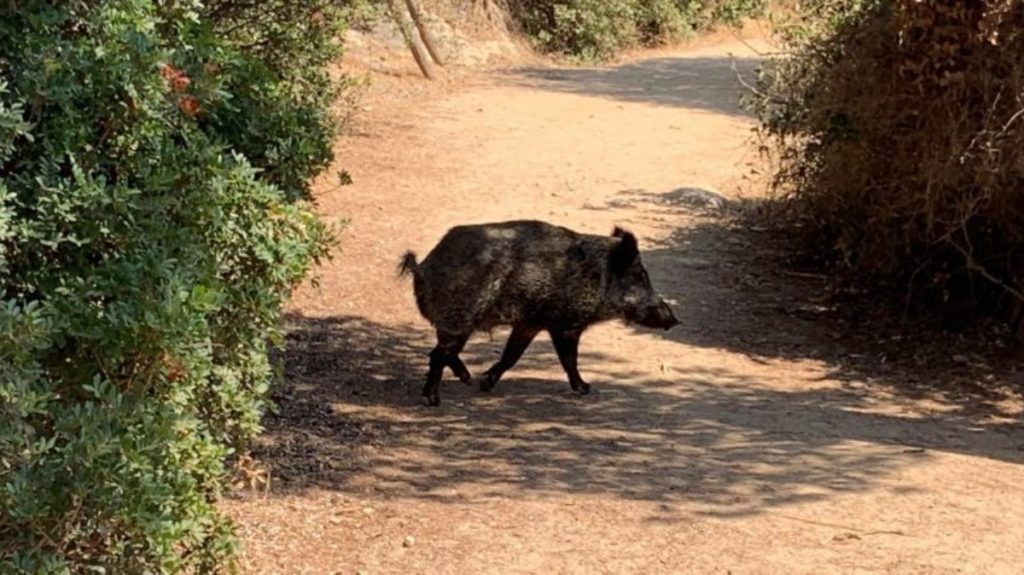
point(445, 354)
point(567, 344)
point(522, 336)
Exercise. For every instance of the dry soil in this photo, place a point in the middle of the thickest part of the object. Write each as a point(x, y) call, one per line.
point(754, 438)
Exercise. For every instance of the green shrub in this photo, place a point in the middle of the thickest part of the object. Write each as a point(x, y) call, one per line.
point(895, 128)
point(154, 158)
point(664, 20)
point(595, 29)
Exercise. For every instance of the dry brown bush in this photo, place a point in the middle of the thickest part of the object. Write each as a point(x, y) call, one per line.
point(897, 133)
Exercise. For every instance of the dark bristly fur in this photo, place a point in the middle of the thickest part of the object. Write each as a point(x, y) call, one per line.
point(534, 277)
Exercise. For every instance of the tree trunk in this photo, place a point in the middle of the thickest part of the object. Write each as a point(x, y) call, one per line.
point(422, 60)
point(428, 40)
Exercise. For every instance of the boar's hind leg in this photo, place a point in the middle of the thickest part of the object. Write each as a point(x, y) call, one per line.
point(445, 354)
point(455, 363)
point(567, 344)
point(460, 370)
point(522, 336)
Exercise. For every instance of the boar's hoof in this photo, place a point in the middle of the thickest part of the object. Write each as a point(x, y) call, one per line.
point(581, 388)
point(432, 396)
point(487, 382)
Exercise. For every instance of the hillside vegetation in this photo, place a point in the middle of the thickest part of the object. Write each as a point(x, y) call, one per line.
point(592, 29)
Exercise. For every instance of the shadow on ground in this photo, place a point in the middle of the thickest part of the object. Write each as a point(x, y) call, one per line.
point(738, 289)
point(350, 416)
point(350, 419)
point(700, 83)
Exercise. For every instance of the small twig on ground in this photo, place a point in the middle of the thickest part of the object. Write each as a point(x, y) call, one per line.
point(821, 277)
point(857, 530)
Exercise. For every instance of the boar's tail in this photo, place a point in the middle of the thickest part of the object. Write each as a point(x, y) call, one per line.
point(407, 265)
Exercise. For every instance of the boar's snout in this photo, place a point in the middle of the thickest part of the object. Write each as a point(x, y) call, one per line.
point(659, 316)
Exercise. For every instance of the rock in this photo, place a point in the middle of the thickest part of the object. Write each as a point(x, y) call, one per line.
point(409, 541)
point(958, 358)
point(694, 197)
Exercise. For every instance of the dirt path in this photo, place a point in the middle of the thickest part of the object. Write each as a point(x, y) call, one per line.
point(749, 440)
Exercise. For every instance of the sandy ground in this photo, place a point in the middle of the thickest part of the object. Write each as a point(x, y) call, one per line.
point(754, 438)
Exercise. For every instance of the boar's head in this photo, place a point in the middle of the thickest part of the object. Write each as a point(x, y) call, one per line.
point(629, 288)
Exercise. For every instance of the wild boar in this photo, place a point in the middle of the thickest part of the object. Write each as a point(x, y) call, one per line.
point(532, 276)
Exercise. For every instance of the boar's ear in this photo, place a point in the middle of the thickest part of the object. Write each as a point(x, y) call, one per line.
point(625, 252)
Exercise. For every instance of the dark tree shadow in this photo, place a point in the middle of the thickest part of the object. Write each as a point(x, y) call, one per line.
point(741, 288)
point(697, 82)
point(684, 200)
point(350, 419)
